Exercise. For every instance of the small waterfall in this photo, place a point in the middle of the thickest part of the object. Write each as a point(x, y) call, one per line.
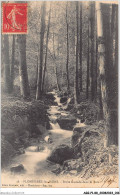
point(64, 114)
point(55, 126)
point(53, 110)
point(68, 101)
point(57, 99)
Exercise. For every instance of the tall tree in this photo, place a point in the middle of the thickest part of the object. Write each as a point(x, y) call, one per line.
point(7, 77)
point(101, 62)
point(96, 71)
point(67, 61)
point(25, 89)
point(107, 72)
point(13, 62)
point(116, 36)
point(37, 60)
point(80, 47)
point(96, 63)
point(112, 72)
point(54, 57)
point(76, 89)
point(87, 77)
point(47, 40)
point(40, 67)
point(93, 68)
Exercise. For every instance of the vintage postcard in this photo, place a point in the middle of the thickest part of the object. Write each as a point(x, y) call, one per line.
point(59, 94)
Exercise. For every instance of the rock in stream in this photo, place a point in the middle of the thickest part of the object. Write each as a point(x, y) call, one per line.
point(67, 122)
point(61, 153)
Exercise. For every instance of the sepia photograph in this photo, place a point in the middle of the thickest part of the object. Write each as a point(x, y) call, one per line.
point(59, 94)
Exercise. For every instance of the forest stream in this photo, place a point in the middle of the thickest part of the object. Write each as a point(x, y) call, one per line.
point(38, 169)
point(34, 159)
point(59, 95)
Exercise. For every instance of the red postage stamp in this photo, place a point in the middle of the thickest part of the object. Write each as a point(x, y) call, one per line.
point(14, 18)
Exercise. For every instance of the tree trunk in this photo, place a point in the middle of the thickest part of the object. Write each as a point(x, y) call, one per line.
point(100, 114)
point(96, 71)
point(116, 37)
point(13, 61)
point(116, 75)
point(7, 78)
point(92, 21)
point(56, 71)
point(80, 47)
point(37, 60)
point(113, 18)
point(96, 63)
point(67, 62)
point(107, 73)
point(112, 74)
point(25, 90)
point(40, 67)
point(88, 80)
point(101, 62)
point(47, 39)
point(76, 89)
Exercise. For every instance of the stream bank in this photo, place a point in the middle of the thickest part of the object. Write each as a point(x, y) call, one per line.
point(21, 121)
